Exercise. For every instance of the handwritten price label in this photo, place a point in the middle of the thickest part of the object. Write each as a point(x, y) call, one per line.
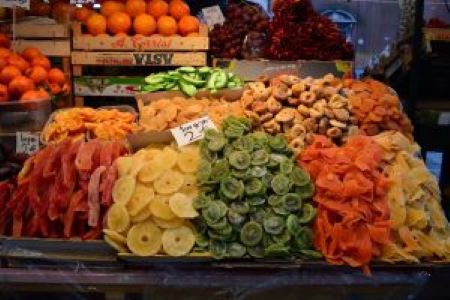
point(191, 132)
point(27, 142)
point(213, 15)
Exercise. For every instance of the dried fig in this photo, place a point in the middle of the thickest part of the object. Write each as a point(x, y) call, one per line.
point(273, 105)
point(338, 124)
point(259, 107)
point(297, 130)
point(266, 117)
point(298, 88)
point(285, 115)
point(304, 110)
point(271, 127)
point(341, 114)
point(294, 101)
point(281, 91)
point(289, 80)
point(307, 98)
point(334, 132)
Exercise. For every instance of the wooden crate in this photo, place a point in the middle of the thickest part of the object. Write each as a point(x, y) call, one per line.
point(92, 54)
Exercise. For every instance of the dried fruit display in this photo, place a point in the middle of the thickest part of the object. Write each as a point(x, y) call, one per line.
point(300, 108)
point(190, 80)
point(63, 191)
point(10, 162)
point(81, 123)
point(29, 76)
point(153, 202)
point(242, 20)
point(298, 32)
point(163, 114)
point(140, 17)
point(419, 227)
point(352, 224)
point(377, 107)
point(253, 200)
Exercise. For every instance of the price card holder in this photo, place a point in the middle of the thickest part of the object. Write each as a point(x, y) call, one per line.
point(15, 3)
point(191, 132)
point(27, 142)
point(213, 15)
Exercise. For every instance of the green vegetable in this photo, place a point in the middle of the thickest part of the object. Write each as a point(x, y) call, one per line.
point(188, 89)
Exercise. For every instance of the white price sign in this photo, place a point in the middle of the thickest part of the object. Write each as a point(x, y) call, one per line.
point(193, 131)
point(213, 15)
point(18, 3)
point(27, 142)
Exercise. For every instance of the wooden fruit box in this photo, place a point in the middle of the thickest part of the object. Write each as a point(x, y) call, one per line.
point(435, 35)
point(251, 70)
point(155, 42)
point(37, 28)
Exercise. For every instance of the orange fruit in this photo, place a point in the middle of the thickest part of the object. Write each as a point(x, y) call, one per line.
point(3, 93)
point(5, 42)
point(110, 7)
point(144, 24)
point(157, 8)
point(96, 24)
point(188, 24)
point(5, 53)
point(55, 89)
point(81, 14)
point(118, 22)
point(3, 63)
point(8, 73)
point(35, 95)
point(179, 9)
point(167, 26)
point(20, 85)
point(18, 61)
point(42, 61)
point(38, 74)
point(30, 53)
point(57, 76)
point(135, 7)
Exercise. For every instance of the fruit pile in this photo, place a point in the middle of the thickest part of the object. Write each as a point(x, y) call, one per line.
point(298, 32)
point(164, 114)
point(63, 191)
point(82, 123)
point(242, 20)
point(153, 202)
point(190, 80)
point(140, 17)
point(418, 223)
point(29, 75)
point(254, 201)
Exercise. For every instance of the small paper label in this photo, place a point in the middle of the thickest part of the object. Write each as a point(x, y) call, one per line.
point(213, 15)
point(193, 131)
point(19, 3)
point(27, 142)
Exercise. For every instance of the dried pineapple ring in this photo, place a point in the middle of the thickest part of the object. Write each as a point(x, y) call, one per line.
point(181, 206)
point(188, 160)
point(160, 208)
point(123, 189)
point(178, 241)
point(142, 216)
point(117, 246)
point(151, 171)
point(124, 165)
point(144, 239)
point(169, 157)
point(189, 186)
point(118, 218)
point(166, 224)
point(115, 236)
point(170, 182)
point(141, 198)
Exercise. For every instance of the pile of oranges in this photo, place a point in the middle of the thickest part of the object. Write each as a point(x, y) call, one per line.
point(29, 75)
point(167, 18)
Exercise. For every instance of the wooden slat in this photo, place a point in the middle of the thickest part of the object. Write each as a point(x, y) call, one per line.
point(155, 42)
point(139, 58)
point(31, 30)
point(60, 48)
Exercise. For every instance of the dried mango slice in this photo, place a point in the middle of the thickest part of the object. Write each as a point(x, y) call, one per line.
point(144, 239)
point(178, 241)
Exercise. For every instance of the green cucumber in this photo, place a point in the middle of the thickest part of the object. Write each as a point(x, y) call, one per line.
point(154, 79)
point(187, 70)
point(188, 89)
point(204, 70)
point(192, 80)
point(152, 88)
point(170, 85)
point(221, 80)
point(212, 81)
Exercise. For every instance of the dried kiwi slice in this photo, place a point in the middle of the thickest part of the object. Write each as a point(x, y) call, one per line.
point(236, 218)
point(218, 249)
point(201, 240)
point(275, 160)
point(217, 143)
point(258, 216)
point(280, 184)
point(236, 250)
point(311, 254)
point(282, 238)
point(257, 171)
point(240, 207)
point(201, 201)
point(304, 238)
point(292, 202)
point(274, 225)
point(299, 177)
point(275, 200)
point(260, 157)
point(306, 191)
point(251, 233)
point(239, 159)
point(276, 250)
point(256, 200)
point(260, 140)
point(220, 169)
point(256, 251)
point(253, 187)
point(203, 172)
point(293, 224)
point(308, 213)
point(281, 210)
point(220, 224)
point(232, 188)
point(214, 212)
point(244, 143)
point(210, 134)
point(278, 143)
point(286, 166)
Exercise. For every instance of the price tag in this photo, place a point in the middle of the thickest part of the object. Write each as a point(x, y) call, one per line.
point(213, 15)
point(193, 131)
point(27, 142)
point(18, 3)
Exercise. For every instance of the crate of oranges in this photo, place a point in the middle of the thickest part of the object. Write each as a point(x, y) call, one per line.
point(139, 25)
